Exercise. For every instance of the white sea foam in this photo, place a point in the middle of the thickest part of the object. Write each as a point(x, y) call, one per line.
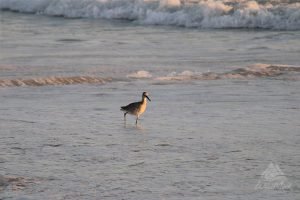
point(253, 71)
point(250, 72)
point(140, 74)
point(182, 76)
point(279, 14)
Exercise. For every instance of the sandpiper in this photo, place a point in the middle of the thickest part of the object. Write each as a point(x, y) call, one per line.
point(136, 108)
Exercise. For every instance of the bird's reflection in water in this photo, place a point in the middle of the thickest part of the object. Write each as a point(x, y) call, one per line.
point(137, 126)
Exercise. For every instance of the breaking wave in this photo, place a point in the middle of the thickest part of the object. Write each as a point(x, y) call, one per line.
point(53, 81)
point(284, 72)
point(140, 74)
point(273, 14)
point(253, 71)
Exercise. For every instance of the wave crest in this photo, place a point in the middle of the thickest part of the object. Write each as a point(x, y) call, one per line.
point(53, 81)
point(140, 74)
point(254, 71)
point(279, 14)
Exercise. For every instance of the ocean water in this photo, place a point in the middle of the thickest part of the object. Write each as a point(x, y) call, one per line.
point(223, 77)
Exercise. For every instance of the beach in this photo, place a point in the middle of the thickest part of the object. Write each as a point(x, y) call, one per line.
point(223, 121)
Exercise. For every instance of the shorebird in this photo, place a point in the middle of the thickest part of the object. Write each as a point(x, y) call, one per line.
point(136, 108)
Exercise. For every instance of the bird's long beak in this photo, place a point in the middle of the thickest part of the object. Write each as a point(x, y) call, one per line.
point(147, 97)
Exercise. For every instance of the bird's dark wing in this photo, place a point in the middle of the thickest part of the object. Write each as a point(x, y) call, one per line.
point(131, 107)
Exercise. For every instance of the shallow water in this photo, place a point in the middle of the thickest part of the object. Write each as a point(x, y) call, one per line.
point(205, 140)
point(216, 122)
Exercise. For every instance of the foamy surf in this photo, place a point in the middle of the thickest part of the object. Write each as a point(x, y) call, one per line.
point(250, 72)
point(279, 14)
point(253, 71)
point(53, 81)
point(140, 74)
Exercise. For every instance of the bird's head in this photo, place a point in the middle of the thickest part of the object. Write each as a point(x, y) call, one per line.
point(145, 94)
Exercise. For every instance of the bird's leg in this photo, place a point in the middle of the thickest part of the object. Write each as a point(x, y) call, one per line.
point(125, 116)
point(137, 118)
